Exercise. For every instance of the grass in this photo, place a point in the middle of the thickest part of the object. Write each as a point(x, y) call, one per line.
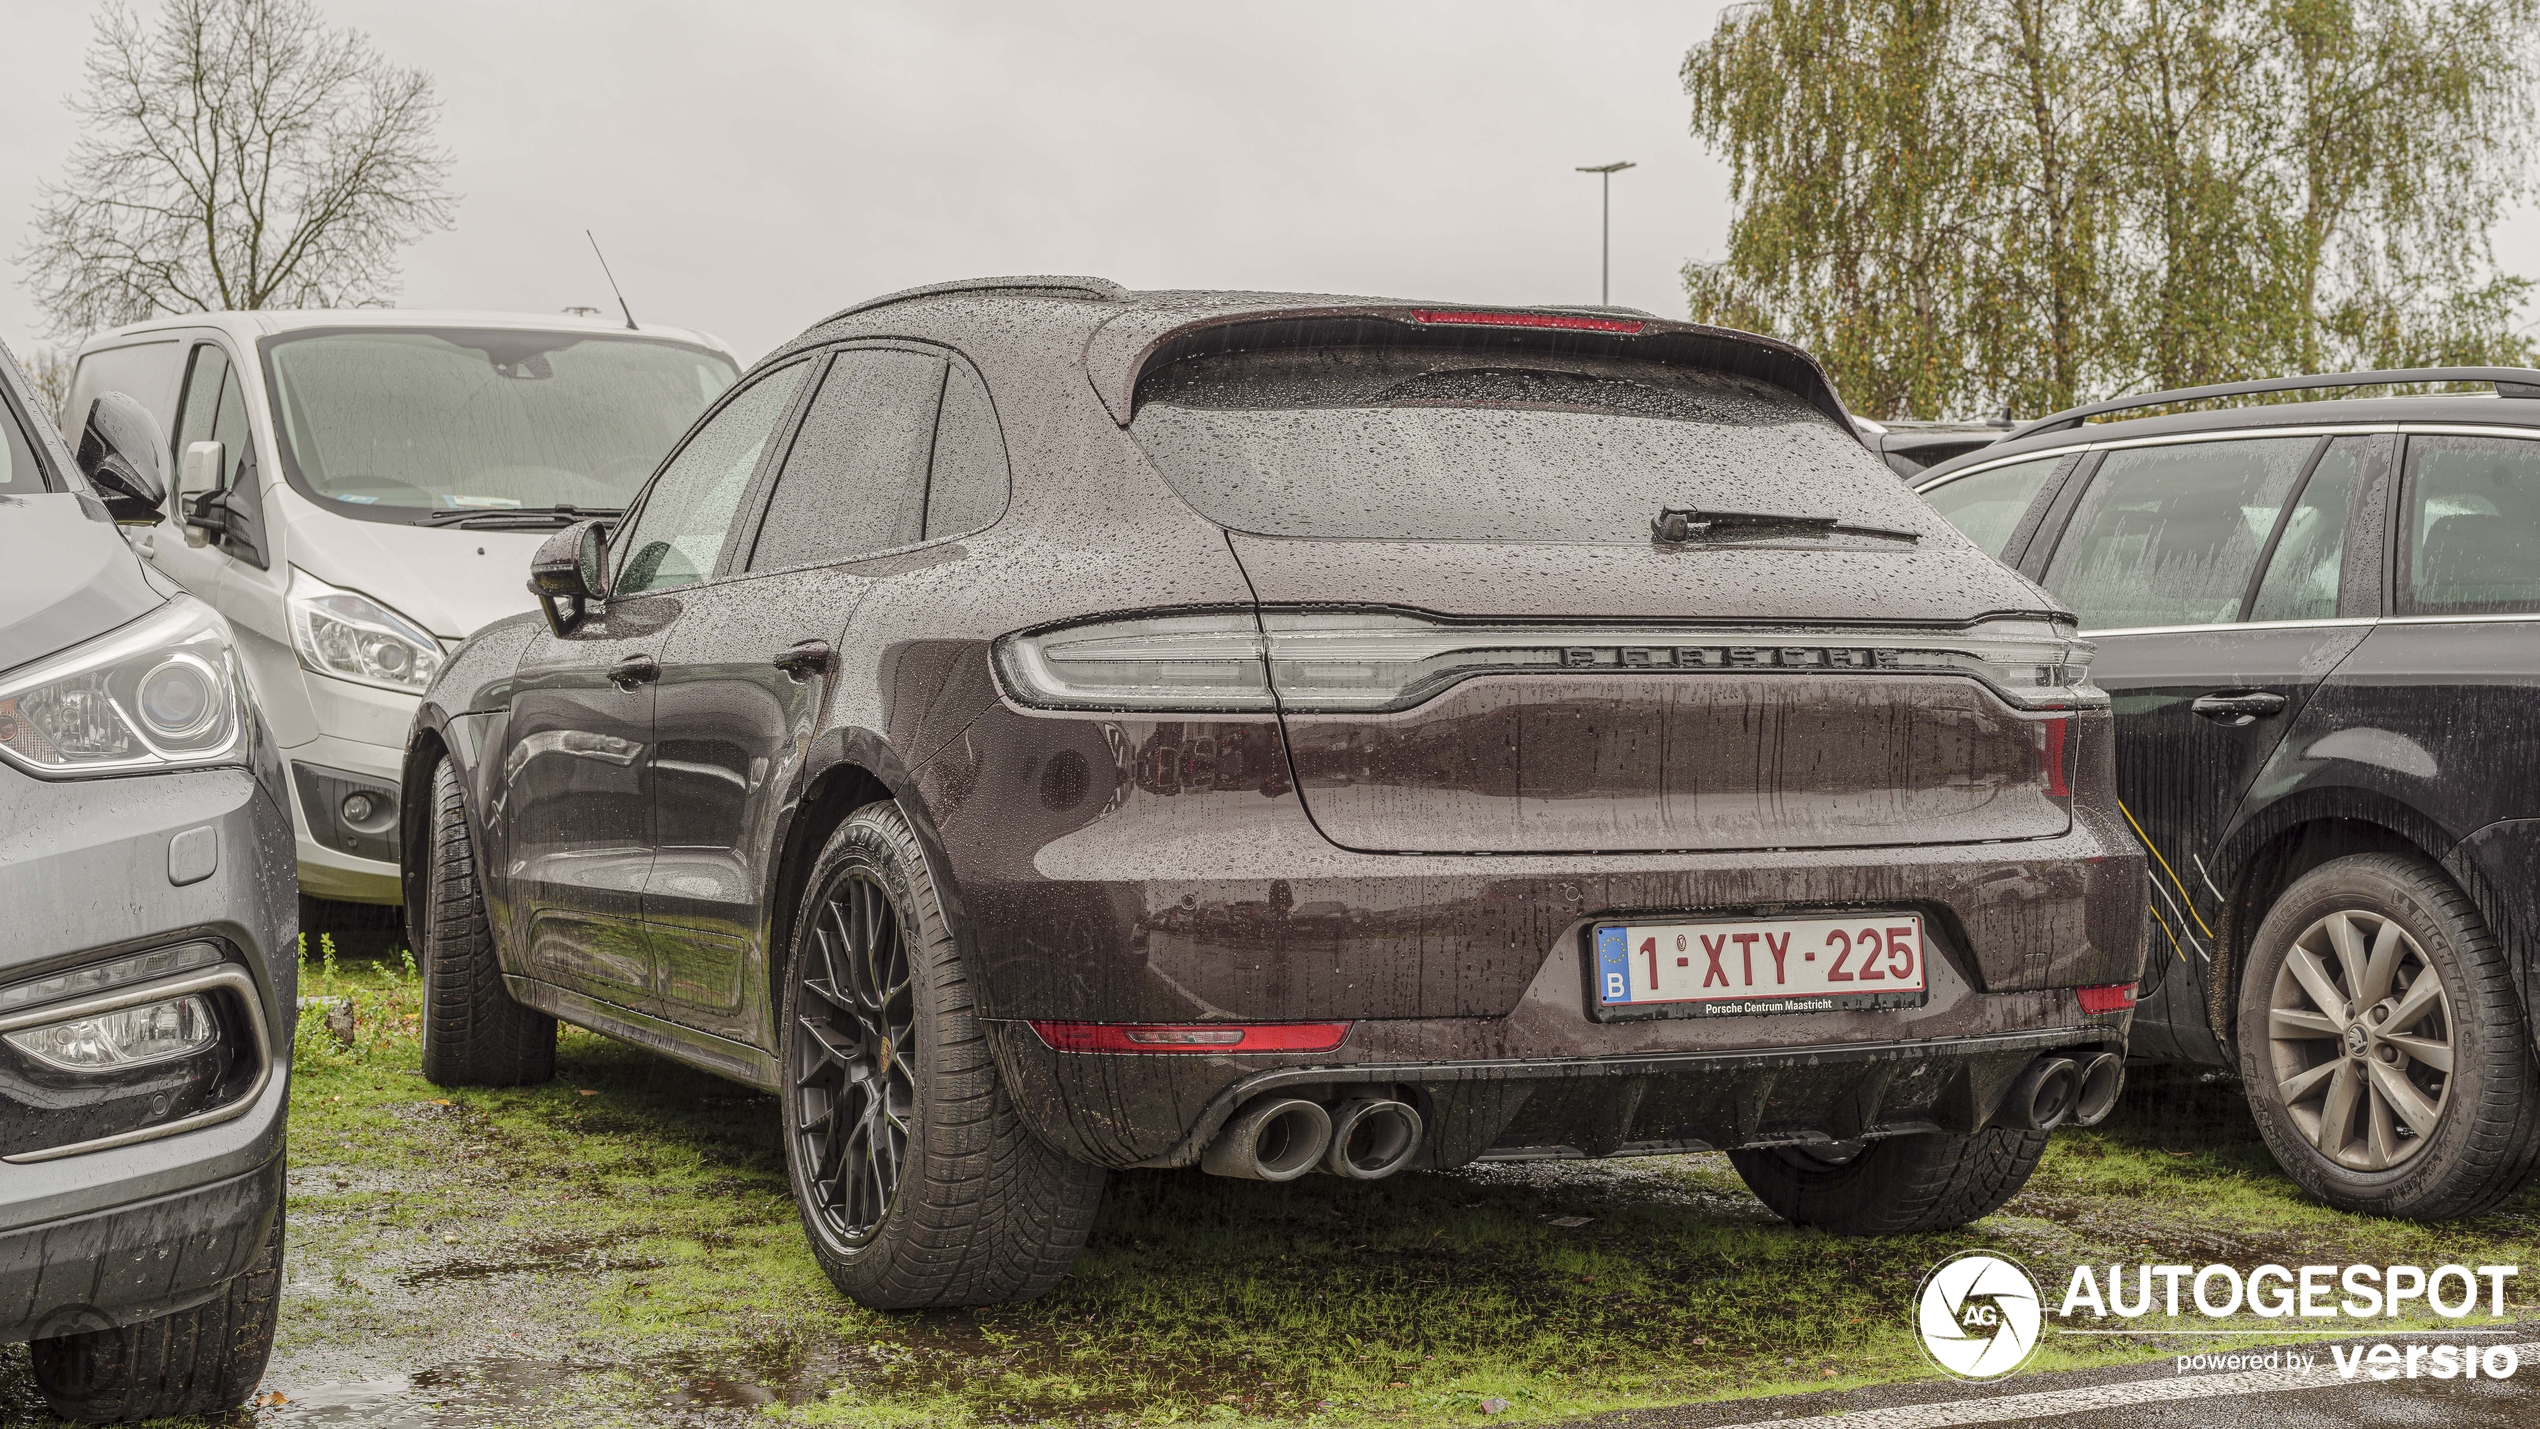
point(618, 1246)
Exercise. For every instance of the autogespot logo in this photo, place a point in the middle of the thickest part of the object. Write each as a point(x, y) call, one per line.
point(1978, 1315)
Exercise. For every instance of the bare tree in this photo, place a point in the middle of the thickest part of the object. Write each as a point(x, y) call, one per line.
point(238, 155)
point(48, 371)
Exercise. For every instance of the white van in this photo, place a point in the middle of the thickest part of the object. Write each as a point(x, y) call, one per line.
point(360, 490)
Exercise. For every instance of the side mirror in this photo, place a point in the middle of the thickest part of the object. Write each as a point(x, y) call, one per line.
point(569, 572)
point(119, 454)
point(198, 471)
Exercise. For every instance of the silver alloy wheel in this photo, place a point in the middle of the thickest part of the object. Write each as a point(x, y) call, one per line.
point(2361, 1040)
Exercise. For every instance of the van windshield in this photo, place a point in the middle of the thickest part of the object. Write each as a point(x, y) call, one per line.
point(1424, 445)
point(396, 422)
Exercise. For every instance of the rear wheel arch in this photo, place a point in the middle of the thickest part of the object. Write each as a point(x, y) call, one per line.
point(846, 770)
point(2267, 855)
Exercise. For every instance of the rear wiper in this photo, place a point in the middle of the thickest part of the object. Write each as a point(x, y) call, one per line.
point(558, 515)
point(1679, 525)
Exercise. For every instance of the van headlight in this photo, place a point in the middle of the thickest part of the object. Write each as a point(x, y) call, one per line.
point(352, 637)
point(160, 693)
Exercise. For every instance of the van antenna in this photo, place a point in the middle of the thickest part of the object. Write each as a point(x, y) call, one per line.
point(612, 277)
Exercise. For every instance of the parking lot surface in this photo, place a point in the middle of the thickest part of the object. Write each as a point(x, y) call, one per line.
point(617, 1247)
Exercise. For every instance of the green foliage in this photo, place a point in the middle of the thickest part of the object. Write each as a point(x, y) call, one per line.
point(1981, 205)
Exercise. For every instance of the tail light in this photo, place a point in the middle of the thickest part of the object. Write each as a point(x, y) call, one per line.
point(2115, 997)
point(1483, 317)
point(2052, 737)
point(1191, 1036)
point(1316, 661)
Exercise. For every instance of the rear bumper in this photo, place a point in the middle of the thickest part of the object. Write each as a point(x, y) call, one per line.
point(1515, 1109)
point(1154, 871)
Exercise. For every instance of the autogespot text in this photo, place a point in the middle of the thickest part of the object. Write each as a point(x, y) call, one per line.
point(2310, 1292)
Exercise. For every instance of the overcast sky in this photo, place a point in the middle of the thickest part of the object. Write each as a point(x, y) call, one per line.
point(751, 168)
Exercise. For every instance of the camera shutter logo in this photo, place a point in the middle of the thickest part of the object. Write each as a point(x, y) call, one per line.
point(1978, 1315)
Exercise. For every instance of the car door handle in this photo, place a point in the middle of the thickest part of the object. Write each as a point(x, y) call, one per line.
point(2235, 708)
point(634, 670)
point(807, 658)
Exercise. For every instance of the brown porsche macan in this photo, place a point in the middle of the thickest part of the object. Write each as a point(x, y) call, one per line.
point(1035, 729)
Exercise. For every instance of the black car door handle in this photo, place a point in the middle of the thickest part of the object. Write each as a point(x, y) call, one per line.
point(634, 670)
point(807, 658)
point(2238, 707)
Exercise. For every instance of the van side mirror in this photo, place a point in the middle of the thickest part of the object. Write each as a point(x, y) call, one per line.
point(119, 450)
point(569, 572)
point(198, 471)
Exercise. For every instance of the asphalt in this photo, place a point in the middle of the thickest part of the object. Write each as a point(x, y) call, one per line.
point(2155, 1396)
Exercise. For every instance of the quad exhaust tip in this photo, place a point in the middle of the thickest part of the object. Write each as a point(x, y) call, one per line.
point(1274, 1139)
point(2102, 1079)
point(2044, 1095)
point(1372, 1139)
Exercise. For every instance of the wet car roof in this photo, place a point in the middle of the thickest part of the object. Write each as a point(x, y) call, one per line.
point(2468, 409)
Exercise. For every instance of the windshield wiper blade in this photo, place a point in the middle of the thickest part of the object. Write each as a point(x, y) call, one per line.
point(1680, 525)
point(560, 514)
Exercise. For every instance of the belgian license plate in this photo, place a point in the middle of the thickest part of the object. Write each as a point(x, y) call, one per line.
point(1746, 966)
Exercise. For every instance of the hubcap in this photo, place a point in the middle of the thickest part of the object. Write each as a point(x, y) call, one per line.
point(855, 1029)
point(2360, 1036)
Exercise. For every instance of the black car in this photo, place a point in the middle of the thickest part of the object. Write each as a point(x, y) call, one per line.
point(1037, 728)
point(2320, 623)
point(148, 921)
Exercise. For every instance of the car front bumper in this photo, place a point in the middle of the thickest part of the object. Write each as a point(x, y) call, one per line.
point(151, 1219)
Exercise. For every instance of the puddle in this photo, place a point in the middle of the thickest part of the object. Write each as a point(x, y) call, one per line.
point(376, 1403)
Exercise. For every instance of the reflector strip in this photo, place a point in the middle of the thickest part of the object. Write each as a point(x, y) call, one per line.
point(1191, 1036)
point(1556, 320)
point(2050, 757)
point(2115, 997)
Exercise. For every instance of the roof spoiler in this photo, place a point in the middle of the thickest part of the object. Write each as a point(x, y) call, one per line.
point(1127, 347)
point(2509, 382)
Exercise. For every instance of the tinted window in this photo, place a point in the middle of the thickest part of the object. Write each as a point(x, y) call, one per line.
point(967, 491)
point(855, 478)
point(674, 539)
point(2473, 526)
point(2303, 576)
point(1461, 445)
point(1988, 505)
point(2170, 535)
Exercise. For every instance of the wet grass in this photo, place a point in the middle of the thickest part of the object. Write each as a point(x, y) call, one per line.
point(618, 1247)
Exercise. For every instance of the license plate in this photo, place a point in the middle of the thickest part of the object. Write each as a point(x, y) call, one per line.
point(1743, 966)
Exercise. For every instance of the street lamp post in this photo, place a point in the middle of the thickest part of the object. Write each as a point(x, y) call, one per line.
point(1605, 248)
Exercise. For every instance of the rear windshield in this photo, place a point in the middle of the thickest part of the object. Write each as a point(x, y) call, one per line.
point(1423, 445)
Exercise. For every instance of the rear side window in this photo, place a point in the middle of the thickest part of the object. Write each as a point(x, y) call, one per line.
point(1988, 505)
point(854, 481)
point(1456, 445)
point(968, 488)
point(2170, 535)
point(2305, 572)
point(2472, 542)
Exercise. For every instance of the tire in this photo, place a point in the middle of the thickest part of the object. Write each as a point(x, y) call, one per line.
point(1902, 1185)
point(474, 1035)
point(2480, 1140)
point(204, 1361)
point(960, 1204)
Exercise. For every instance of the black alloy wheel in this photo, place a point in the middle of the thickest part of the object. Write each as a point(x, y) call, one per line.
point(853, 1086)
point(920, 1185)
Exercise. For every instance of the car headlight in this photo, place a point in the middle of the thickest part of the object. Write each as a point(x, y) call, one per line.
point(353, 637)
point(160, 693)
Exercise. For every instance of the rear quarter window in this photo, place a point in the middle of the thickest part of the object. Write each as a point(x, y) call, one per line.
point(1430, 445)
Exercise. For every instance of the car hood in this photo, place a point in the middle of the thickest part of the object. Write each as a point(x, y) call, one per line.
point(451, 581)
point(65, 577)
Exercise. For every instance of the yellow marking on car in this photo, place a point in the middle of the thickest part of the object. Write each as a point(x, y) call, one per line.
point(2155, 851)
